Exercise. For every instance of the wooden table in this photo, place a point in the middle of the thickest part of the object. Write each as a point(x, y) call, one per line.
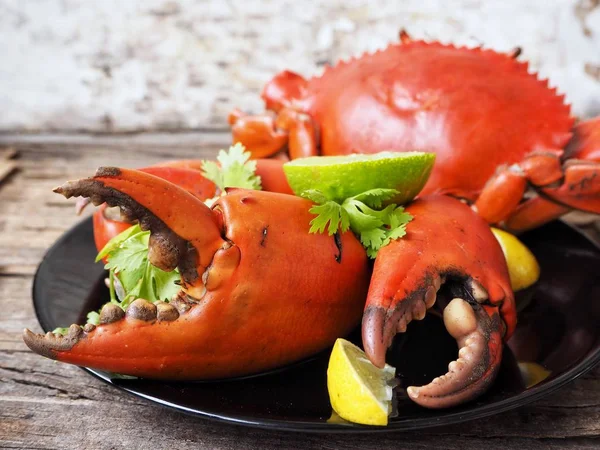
point(47, 405)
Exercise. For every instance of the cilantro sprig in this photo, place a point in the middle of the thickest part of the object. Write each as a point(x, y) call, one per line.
point(234, 169)
point(128, 265)
point(376, 225)
point(130, 273)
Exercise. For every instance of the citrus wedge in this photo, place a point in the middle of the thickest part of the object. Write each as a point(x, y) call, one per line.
point(533, 373)
point(341, 177)
point(523, 268)
point(359, 392)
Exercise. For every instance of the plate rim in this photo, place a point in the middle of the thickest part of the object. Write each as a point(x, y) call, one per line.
point(526, 397)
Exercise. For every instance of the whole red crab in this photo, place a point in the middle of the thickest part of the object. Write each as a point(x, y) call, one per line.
point(504, 143)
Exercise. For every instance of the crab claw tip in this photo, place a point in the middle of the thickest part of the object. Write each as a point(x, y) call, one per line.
point(47, 345)
point(373, 340)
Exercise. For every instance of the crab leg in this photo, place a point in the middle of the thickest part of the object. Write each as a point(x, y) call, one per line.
point(570, 179)
point(533, 213)
point(447, 249)
point(310, 289)
point(264, 135)
point(257, 133)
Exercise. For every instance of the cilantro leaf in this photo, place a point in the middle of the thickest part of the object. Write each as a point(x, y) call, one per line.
point(330, 215)
point(399, 219)
point(363, 213)
point(372, 238)
point(164, 284)
point(131, 275)
point(61, 330)
point(94, 318)
point(316, 196)
point(361, 216)
point(117, 240)
point(130, 260)
point(374, 198)
point(233, 170)
point(212, 171)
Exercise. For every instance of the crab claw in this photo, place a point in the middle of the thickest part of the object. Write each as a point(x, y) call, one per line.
point(258, 291)
point(185, 232)
point(449, 249)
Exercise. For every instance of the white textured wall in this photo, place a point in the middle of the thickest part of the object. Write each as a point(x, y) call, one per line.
point(119, 65)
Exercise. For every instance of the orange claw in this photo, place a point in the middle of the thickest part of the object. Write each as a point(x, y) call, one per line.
point(107, 226)
point(191, 180)
point(262, 293)
point(446, 244)
point(265, 134)
point(186, 174)
point(258, 133)
point(175, 216)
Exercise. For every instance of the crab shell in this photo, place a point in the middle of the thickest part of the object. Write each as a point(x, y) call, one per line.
point(497, 130)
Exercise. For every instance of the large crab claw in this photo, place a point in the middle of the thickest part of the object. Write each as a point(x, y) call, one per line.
point(108, 222)
point(186, 174)
point(446, 244)
point(258, 291)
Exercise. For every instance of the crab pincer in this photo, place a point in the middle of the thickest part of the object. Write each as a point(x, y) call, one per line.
point(448, 250)
point(257, 290)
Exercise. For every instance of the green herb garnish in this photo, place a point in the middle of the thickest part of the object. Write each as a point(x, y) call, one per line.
point(364, 214)
point(127, 255)
point(234, 169)
point(61, 330)
point(128, 266)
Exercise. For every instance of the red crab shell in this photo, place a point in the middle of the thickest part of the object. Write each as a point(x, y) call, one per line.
point(476, 109)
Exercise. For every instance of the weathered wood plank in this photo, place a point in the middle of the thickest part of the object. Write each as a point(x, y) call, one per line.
point(49, 405)
point(32, 216)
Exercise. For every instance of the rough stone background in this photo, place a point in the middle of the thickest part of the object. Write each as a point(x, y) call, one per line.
point(116, 65)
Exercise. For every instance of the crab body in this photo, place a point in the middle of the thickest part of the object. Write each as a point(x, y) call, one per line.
point(497, 130)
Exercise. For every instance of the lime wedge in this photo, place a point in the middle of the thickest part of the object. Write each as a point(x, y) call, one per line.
point(358, 391)
point(341, 177)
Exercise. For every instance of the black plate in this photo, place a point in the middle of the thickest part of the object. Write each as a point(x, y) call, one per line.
point(558, 332)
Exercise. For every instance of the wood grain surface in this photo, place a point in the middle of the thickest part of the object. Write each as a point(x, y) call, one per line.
point(47, 405)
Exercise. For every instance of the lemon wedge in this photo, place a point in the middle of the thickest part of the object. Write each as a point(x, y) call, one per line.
point(533, 373)
point(523, 268)
point(359, 392)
